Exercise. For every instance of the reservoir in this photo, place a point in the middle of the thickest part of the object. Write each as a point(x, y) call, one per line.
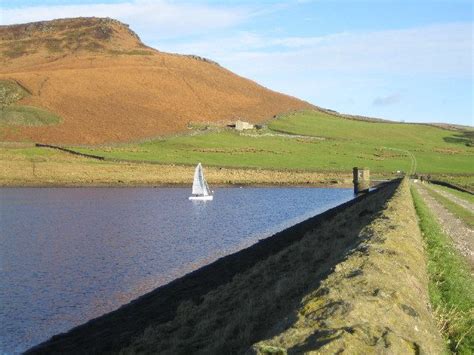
point(71, 254)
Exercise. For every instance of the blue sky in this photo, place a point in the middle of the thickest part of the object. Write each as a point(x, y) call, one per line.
point(403, 60)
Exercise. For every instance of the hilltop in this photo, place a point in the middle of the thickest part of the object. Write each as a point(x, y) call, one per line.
point(92, 81)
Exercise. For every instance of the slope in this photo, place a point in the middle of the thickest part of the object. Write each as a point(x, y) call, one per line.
point(107, 86)
point(314, 141)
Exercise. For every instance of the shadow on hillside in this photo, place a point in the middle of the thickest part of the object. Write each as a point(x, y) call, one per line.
point(464, 138)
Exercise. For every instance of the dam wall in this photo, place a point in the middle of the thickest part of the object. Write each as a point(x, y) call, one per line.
point(250, 300)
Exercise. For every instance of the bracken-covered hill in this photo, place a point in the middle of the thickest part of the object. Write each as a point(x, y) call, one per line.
point(104, 85)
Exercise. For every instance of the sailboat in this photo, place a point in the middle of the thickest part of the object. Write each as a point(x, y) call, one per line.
point(201, 190)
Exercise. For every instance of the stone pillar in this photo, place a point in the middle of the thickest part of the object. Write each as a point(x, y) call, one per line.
point(361, 180)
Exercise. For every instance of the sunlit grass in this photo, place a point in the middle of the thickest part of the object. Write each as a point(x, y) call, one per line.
point(451, 286)
point(333, 144)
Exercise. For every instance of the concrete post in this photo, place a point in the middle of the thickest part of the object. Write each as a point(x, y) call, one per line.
point(361, 180)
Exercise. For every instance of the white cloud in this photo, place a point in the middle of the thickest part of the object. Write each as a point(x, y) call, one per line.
point(154, 19)
point(439, 49)
point(346, 71)
point(387, 100)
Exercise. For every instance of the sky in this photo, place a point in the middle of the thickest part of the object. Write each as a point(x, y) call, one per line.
point(404, 60)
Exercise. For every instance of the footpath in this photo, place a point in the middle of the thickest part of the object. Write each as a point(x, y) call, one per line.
point(460, 233)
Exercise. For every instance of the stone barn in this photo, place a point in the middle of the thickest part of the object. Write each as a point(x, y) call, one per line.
point(241, 125)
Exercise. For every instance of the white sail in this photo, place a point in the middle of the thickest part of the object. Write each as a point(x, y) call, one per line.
point(200, 187)
point(207, 189)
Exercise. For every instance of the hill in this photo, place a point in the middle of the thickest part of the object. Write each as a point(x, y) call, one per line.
point(308, 147)
point(101, 84)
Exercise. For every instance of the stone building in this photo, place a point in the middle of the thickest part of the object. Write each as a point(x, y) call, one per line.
point(241, 125)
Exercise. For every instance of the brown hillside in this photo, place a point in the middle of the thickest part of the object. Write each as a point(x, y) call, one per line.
point(107, 86)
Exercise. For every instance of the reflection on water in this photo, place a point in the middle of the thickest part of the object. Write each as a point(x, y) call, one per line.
point(68, 255)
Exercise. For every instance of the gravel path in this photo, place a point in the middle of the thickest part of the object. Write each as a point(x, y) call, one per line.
point(462, 235)
point(466, 204)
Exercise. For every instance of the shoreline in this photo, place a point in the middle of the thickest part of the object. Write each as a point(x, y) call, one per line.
point(179, 185)
point(64, 170)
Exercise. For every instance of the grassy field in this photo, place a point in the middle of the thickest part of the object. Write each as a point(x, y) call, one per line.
point(451, 285)
point(26, 165)
point(315, 141)
point(296, 145)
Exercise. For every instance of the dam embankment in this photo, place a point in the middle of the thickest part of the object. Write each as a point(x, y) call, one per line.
point(353, 277)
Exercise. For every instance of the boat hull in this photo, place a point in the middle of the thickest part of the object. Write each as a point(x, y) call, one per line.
point(201, 198)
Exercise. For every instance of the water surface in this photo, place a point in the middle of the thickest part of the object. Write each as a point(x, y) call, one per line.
point(70, 254)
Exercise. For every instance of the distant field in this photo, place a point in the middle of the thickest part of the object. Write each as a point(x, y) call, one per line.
point(314, 141)
point(26, 165)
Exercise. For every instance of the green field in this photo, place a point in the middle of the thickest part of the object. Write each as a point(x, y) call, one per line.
point(27, 116)
point(312, 141)
point(20, 115)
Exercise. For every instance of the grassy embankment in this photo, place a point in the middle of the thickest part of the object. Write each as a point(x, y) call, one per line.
point(354, 280)
point(296, 145)
point(462, 180)
point(451, 286)
point(464, 214)
point(373, 298)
